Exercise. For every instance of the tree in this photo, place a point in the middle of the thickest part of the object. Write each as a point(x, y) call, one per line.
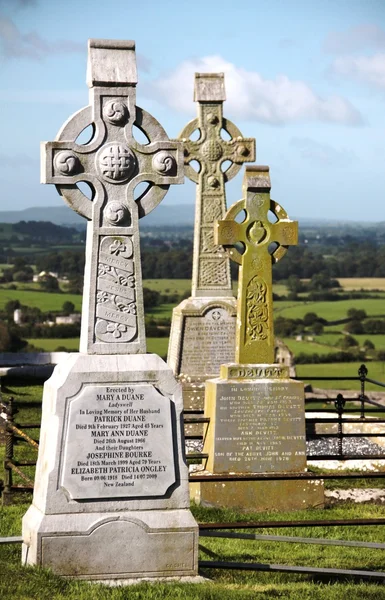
point(317, 328)
point(368, 345)
point(9, 339)
point(354, 326)
point(310, 318)
point(50, 284)
point(356, 314)
point(68, 307)
point(347, 342)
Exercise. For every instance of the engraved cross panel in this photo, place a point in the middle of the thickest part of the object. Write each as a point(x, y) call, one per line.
point(211, 266)
point(255, 244)
point(113, 163)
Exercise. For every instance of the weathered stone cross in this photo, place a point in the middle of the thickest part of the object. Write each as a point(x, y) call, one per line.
point(113, 163)
point(211, 267)
point(263, 242)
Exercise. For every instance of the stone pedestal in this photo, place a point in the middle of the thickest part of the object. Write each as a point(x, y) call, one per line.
point(257, 425)
point(111, 491)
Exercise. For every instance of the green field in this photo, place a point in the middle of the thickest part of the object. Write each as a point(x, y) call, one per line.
point(43, 300)
point(157, 346)
point(168, 286)
point(362, 283)
point(51, 344)
point(308, 347)
point(376, 370)
point(331, 311)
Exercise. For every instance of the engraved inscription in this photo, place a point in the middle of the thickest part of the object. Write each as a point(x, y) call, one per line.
point(116, 313)
point(259, 428)
point(118, 443)
point(208, 342)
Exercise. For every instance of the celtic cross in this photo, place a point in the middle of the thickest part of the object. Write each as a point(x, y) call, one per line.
point(113, 163)
point(211, 266)
point(263, 242)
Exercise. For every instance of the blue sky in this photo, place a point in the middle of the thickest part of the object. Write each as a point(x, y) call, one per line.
point(306, 78)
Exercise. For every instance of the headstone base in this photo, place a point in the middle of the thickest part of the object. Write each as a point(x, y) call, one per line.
point(257, 425)
point(111, 494)
point(259, 496)
point(112, 546)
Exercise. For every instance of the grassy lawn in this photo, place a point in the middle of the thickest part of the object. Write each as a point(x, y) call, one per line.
point(21, 583)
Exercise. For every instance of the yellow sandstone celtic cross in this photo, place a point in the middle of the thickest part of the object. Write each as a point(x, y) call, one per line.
point(113, 163)
point(263, 243)
point(211, 267)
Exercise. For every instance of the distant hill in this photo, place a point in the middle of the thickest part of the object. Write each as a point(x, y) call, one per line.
point(180, 214)
point(169, 215)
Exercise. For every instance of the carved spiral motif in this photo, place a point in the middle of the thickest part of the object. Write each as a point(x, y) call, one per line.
point(116, 162)
point(212, 150)
point(115, 112)
point(227, 232)
point(164, 163)
point(66, 163)
point(115, 212)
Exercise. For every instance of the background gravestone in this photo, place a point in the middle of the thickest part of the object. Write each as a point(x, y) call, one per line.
point(256, 412)
point(111, 496)
point(203, 326)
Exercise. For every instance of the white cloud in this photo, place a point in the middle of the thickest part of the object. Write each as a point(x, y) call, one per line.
point(251, 97)
point(15, 44)
point(369, 69)
point(323, 154)
point(363, 36)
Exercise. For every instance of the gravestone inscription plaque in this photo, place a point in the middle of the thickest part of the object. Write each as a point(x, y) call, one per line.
point(256, 412)
point(203, 326)
point(111, 498)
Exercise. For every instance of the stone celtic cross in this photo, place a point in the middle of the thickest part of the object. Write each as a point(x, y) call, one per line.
point(113, 163)
point(263, 242)
point(211, 266)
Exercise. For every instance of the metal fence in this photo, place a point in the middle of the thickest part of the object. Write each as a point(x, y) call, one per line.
point(369, 412)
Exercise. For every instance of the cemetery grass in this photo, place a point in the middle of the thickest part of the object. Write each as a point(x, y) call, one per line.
point(22, 583)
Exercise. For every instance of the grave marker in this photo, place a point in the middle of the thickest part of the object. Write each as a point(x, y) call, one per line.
point(203, 326)
point(111, 496)
point(256, 412)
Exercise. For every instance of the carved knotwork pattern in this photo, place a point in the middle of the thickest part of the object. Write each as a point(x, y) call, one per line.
point(207, 243)
point(116, 162)
point(212, 210)
point(116, 319)
point(213, 273)
point(257, 312)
